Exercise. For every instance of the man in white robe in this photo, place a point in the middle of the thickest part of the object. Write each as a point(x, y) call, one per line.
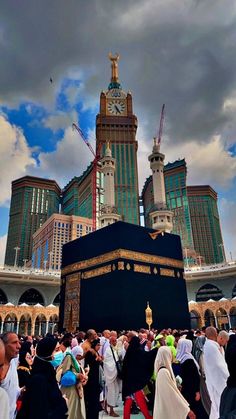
point(222, 339)
point(216, 370)
point(4, 401)
point(110, 373)
point(104, 341)
point(9, 378)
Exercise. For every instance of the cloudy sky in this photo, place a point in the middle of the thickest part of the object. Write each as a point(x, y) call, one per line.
point(181, 53)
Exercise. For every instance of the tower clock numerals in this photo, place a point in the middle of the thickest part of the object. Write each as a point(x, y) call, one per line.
point(116, 107)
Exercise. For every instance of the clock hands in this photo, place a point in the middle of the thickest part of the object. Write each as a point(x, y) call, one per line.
point(117, 109)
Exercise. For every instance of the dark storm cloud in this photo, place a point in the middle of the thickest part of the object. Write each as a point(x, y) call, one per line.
point(181, 53)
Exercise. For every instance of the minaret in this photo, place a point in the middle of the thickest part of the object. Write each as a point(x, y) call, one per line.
point(108, 210)
point(161, 217)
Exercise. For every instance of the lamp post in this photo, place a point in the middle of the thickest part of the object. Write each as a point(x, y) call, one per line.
point(199, 258)
point(50, 260)
point(186, 256)
point(25, 260)
point(17, 248)
point(222, 250)
point(148, 313)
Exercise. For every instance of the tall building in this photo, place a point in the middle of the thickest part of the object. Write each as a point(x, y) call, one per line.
point(176, 200)
point(49, 239)
point(161, 216)
point(176, 197)
point(33, 201)
point(77, 195)
point(117, 124)
point(207, 237)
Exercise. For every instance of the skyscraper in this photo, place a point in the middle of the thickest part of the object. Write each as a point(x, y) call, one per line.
point(117, 124)
point(176, 197)
point(77, 195)
point(207, 237)
point(33, 200)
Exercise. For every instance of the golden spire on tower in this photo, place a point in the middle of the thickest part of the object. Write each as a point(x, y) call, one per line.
point(114, 67)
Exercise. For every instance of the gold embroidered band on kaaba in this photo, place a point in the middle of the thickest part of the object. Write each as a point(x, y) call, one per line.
point(123, 254)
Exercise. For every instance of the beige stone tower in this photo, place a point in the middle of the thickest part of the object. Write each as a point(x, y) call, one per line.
point(161, 217)
point(109, 213)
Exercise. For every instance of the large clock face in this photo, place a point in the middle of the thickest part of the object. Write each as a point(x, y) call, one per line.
point(116, 107)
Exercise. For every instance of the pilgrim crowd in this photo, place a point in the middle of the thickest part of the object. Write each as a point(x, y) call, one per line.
point(166, 374)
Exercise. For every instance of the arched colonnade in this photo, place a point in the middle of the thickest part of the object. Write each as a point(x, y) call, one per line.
point(28, 320)
point(220, 314)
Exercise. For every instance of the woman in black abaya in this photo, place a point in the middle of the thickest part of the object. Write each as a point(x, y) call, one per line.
point(137, 370)
point(228, 397)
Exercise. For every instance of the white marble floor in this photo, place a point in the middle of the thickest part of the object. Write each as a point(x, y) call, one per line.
point(119, 410)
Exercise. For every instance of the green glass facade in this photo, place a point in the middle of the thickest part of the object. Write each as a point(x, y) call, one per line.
point(205, 221)
point(77, 195)
point(70, 198)
point(196, 218)
point(126, 198)
point(177, 201)
point(33, 201)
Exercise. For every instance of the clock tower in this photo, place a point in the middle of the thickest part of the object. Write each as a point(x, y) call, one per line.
point(117, 124)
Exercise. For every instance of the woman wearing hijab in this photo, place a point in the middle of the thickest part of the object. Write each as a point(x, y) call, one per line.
point(170, 341)
point(25, 363)
point(76, 409)
point(190, 374)
point(169, 402)
point(198, 355)
point(92, 389)
point(228, 397)
point(137, 371)
point(43, 399)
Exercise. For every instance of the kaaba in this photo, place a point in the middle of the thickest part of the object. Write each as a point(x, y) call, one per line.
point(108, 277)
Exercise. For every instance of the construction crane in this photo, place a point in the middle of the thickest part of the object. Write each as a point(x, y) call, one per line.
point(94, 172)
point(161, 124)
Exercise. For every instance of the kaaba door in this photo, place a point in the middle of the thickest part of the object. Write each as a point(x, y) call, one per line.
point(72, 303)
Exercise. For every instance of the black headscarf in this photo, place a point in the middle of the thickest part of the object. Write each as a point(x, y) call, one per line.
point(46, 347)
point(138, 367)
point(94, 343)
point(190, 335)
point(232, 340)
point(25, 348)
point(230, 357)
point(41, 364)
point(198, 347)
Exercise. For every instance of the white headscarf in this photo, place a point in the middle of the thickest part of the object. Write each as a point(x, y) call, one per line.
point(77, 350)
point(184, 349)
point(164, 359)
point(169, 402)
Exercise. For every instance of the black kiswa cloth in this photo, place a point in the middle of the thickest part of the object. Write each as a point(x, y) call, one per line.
point(121, 235)
point(138, 367)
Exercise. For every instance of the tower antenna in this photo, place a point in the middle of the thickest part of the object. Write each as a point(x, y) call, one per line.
point(161, 124)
